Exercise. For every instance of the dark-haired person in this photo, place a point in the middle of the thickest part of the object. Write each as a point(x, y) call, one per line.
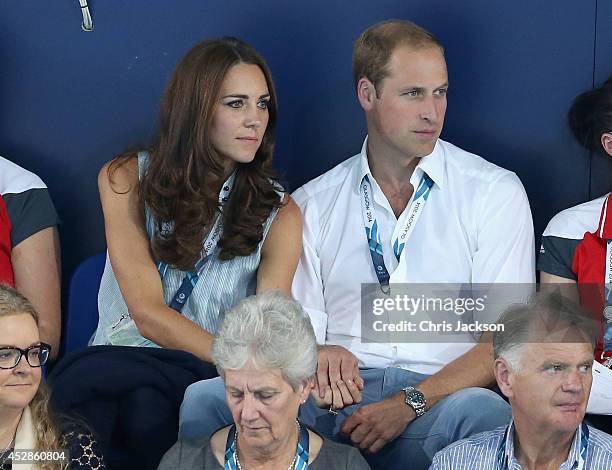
point(470, 223)
point(577, 242)
point(26, 422)
point(29, 246)
point(197, 222)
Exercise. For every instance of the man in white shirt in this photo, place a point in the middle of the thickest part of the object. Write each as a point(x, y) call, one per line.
point(472, 226)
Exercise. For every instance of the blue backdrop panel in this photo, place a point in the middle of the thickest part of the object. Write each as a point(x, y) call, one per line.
point(601, 167)
point(71, 100)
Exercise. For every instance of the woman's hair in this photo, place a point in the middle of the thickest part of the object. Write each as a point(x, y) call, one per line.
point(47, 436)
point(591, 115)
point(273, 331)
point(13, 303)
point(185, 172)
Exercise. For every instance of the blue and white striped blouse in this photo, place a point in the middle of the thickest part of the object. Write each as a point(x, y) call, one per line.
point(222, 285)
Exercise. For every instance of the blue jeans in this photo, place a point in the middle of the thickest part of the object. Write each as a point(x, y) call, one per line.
point(460, 415)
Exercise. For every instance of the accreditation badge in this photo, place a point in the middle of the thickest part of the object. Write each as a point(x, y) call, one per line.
point(607, 312)
point(606, 360)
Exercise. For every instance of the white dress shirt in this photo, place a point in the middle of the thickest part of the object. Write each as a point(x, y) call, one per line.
point(476, 227)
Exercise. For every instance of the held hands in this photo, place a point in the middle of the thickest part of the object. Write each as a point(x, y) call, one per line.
point(338, 383)
point(372, 426)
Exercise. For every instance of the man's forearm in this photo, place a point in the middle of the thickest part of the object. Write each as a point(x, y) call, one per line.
point(472, 369)
point(36, 264)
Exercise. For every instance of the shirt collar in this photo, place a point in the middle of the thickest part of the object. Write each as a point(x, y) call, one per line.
point(572, 458)
point(432, 164)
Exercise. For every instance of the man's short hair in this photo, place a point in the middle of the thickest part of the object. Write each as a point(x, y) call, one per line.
point(375, 45)
point(541, 321)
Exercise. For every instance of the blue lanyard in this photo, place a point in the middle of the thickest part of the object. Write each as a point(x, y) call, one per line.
point(606, 354)
point(301, 450)
point(503, 459)
point(191, 279)
point(399, 240)
point(607, 339)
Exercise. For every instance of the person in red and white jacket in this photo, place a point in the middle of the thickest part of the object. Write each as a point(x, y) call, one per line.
point(578, 241)
point(29, 245)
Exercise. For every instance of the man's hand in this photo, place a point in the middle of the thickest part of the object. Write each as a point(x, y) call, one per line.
point(338, 381)
point(372, 426)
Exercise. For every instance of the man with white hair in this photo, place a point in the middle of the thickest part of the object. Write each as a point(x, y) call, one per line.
point(543, 364)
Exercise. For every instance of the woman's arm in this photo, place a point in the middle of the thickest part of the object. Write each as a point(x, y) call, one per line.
point(137, 275)
point(281, 250)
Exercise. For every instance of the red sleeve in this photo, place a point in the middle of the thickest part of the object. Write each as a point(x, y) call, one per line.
point(6, 270)
point(590, 267)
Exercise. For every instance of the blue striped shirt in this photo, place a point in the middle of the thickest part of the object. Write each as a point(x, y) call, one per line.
point(222, 285)
point(479, 452)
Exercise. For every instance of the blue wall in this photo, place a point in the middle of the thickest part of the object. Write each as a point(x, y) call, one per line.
point(72, 100)
point(601, 167)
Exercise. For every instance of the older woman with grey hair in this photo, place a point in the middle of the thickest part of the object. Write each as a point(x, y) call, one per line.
point(266, 354)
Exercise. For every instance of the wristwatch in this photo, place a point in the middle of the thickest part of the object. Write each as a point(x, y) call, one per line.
point(415, 400)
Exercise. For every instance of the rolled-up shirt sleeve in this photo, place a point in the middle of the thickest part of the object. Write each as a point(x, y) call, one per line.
point(505, 257)
point(506, 243)
point(308, 287)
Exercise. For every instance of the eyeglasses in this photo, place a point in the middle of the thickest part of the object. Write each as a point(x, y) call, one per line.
point(35, 355)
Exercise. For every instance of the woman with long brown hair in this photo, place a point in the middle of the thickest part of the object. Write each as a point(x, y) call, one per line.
point(30, 435)
point(197, 222)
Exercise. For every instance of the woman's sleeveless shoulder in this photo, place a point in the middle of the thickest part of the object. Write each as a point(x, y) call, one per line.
point(119, 175)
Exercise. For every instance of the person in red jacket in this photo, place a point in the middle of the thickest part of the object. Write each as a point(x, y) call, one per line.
point(576, 240)
point(577, 243)
point(29, 246)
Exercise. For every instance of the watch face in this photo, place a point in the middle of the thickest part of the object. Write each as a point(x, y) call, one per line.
point(415, 397)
